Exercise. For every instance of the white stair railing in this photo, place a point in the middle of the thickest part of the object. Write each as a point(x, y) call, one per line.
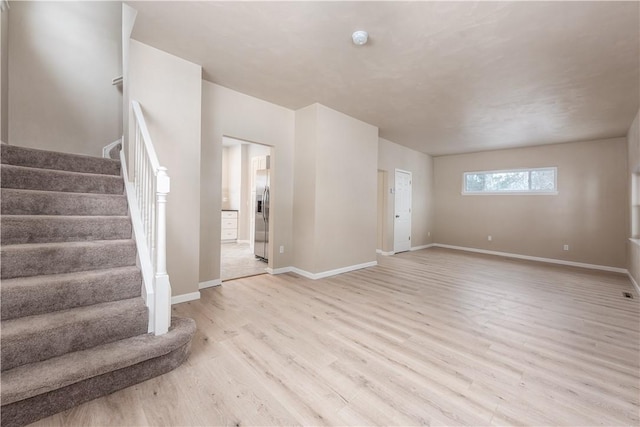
point(147, 190)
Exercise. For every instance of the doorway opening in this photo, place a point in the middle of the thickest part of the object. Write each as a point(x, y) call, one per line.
point(246, 211)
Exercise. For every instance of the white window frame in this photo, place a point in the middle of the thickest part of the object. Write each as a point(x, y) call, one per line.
point(553, 192)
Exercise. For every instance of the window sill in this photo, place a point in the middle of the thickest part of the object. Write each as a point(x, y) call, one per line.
point(511, 193)
point(635, 241)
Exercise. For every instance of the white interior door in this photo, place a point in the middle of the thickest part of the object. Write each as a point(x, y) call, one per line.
point(402, 220)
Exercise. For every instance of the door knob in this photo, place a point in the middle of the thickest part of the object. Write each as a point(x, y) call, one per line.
point(397, 216)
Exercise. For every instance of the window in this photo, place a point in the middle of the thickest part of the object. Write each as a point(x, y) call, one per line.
point(515, 181)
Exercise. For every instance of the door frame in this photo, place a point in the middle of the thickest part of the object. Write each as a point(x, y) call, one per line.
point(273, 208)
point(396, 249)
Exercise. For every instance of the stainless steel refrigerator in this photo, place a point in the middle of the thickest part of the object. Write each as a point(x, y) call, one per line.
point(261, 243)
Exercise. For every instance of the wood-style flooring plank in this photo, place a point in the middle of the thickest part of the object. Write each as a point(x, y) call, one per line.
point(432, 337)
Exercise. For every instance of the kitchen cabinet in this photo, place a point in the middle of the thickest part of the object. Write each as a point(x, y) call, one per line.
point(229, 226)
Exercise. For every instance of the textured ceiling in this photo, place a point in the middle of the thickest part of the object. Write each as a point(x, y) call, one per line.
point(439, 77)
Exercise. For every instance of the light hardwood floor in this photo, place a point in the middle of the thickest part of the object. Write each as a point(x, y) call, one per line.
point(434, 337)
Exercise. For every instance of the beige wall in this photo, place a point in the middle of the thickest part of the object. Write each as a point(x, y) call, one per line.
point(304, 187)
point(226, 112)
point(224, 179)
point(169, 91)
point(62, 58)
point(633, 151)
point(335, 190)
point(383, 201)
point(634, 263)
point(586, 214)
point(392, 156)
point(128, 21)
point(346, 190)
point(231, 177)
point(4, 76)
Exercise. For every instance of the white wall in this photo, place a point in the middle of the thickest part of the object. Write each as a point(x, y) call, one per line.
point(169, 90)
point(392, 156)
point(62, 58)
point(226, 112)
point(336, 176)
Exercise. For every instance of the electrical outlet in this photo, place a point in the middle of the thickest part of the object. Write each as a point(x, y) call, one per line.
point(489, 238)
point(281, 249)
point(428, 234)
point(566, 247)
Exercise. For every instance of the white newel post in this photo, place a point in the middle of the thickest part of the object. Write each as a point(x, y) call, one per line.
point(147, 199)
point(162, 286)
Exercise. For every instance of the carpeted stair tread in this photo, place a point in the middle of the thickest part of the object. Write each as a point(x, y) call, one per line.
point(53, 180)
point(74, 326)
point(28, 296)
point(35, 338)
point(17, 229)
point(34, 158)
point(36, 202)
point(36, 378)
point(35, 259)
point(26, 411)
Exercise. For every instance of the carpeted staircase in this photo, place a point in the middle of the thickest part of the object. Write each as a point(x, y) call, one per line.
point(74, 324)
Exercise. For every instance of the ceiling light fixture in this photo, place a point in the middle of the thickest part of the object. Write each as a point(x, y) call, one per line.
point(360, 37)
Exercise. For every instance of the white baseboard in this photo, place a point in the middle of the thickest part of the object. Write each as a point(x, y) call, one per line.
point(381, 252)
point(185, 298)
point(209, 284)
point(323, 274)
point(414, 248)
point(534, 258)
point(635, 284)
point(106, 149)
point(281, 270)
point(329, 273)
point(417, 248)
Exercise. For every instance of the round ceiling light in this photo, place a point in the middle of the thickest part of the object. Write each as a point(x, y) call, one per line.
point(360, 37)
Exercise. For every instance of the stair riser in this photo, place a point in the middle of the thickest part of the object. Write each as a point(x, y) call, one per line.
point(21, 156)
point(74, 326)
point(36, 345)
point(29, 202)
point(24, 260)
point(50, 180)
point(35, 408)
point(46, 229)
point(45, 294)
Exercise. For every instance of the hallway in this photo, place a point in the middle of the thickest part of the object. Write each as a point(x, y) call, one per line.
point(237, 260)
